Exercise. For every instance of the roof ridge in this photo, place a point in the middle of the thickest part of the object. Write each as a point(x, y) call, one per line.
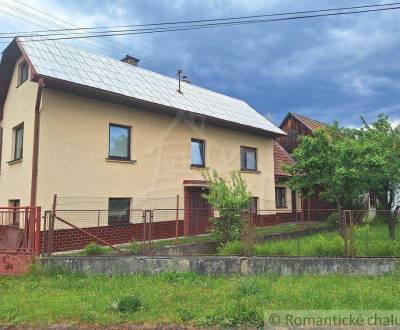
point(297, 116)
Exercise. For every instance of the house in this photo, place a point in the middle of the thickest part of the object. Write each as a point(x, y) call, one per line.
point(296, 126)
point(76, 123)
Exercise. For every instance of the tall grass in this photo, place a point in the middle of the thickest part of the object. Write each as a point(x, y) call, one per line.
point(56, 297)
point(370, 240)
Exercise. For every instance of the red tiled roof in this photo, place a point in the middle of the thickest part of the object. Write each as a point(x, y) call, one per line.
point(281, 157)
point(312, 124)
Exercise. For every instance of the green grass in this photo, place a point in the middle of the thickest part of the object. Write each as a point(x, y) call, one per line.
point(261, 232)
point(56, 297)
point(372, 240)
point(290, 227)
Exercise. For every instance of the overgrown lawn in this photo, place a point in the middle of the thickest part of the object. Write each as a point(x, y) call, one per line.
point(57, 297)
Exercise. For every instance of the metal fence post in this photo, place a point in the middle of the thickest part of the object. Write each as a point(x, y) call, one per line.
point(352, 236)
point(177, 221)
point(345, 233)
point(37, 231)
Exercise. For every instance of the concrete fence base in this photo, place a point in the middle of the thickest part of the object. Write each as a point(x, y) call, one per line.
point(223, 265)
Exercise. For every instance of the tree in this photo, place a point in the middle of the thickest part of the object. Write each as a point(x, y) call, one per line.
point(381, 164)
point(327, 161)
point(229, 198)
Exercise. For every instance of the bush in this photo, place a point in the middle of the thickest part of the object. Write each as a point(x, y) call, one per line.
point(127, 304)
point(333, 218)
point(231, 249)
point(134, 247)
point(93, 249)
point(235, 316)
point(230, 198)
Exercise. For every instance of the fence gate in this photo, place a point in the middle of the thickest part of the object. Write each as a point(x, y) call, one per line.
point(19, 238)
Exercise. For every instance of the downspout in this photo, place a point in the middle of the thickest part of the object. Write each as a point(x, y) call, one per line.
point(36, 130)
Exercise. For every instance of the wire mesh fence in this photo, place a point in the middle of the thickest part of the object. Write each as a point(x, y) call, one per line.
point(20, 229)
point(189, 230)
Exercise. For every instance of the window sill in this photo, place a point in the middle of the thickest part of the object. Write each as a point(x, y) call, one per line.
point(198, 167)
point(250, 171)
point(129, 161)
point(282, 208)
point(15, 161)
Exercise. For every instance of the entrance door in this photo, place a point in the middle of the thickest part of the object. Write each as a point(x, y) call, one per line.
point(199, 211)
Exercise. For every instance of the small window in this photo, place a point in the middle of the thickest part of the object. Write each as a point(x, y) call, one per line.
point(280, 197)
point(23, 73)
point(119, 142)
point(118, 210)
point(14, 213)
point(248, 159)
point(198, 159)
point(18, 139)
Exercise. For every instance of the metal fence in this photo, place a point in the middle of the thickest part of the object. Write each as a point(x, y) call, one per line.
point(192, 231)
point(20, 229)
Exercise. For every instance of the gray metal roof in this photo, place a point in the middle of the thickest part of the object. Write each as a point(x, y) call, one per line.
point(61, 61)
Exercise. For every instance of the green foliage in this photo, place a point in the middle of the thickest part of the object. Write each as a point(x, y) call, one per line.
point(382, 159)
point(328, 160)
point(235, 316)
point(233, 248)
point(134, 247)
point(229, 198)
point(333, 218)
point(93, 249)
point(127, 304)
point(371, 240)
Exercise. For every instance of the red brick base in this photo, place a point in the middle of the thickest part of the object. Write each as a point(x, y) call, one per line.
point(14, 263)
point(10, 237)
point(73, 239)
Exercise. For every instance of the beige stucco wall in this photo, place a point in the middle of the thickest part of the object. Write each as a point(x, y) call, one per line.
point(74, 148)
point(289, 192)
point(19, 107)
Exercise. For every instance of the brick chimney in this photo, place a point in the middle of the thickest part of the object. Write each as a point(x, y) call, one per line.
point(130, 60)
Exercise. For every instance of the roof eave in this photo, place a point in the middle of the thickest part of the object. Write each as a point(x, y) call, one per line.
point(111, 97)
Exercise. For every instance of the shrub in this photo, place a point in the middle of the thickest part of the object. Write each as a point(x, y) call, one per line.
point(93, 249)
point(235, 316)
point(134, 247)
point(185, 314)
point(333, 218)
point(127, 304)
point(230, 198)
point(231, 249)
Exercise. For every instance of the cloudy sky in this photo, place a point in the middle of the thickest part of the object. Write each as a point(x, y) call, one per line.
point(335, 68)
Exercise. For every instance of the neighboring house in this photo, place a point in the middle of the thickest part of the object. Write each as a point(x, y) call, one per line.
point(76, 123)
point(296, 126)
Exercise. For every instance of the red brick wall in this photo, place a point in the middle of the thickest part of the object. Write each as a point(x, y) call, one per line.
point(74, 239)
point(10, 237)
point(14, 263)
